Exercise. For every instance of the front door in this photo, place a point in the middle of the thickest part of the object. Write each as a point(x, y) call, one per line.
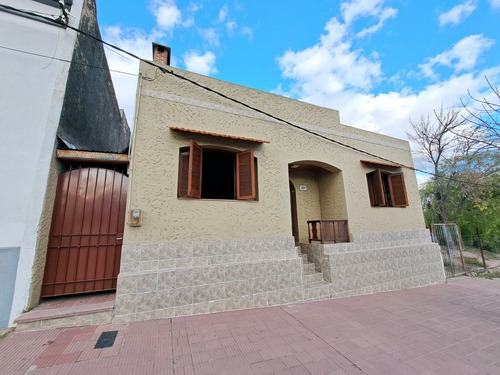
point(293, 205)
point(85, 240)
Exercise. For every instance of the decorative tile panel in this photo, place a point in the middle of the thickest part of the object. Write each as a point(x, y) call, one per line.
point(160, 280)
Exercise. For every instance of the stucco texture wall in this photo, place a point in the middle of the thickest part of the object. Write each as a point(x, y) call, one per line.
point(165, 100)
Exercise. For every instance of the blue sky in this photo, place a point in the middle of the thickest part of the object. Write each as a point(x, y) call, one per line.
point(379, 62)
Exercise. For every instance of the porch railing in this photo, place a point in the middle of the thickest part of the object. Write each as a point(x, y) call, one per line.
point(328, 231)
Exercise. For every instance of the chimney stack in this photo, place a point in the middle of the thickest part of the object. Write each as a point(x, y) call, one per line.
point(161, 54)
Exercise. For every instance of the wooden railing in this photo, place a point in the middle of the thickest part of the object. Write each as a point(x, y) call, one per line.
point(328, 231)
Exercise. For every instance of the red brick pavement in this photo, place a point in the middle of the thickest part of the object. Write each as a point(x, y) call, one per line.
point(452, 328)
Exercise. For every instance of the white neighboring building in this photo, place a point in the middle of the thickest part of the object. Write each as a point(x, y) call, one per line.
point(33, 72)
point(45, 98)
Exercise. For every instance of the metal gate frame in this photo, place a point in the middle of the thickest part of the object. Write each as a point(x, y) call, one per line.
point(449, 239)
point(88, 220)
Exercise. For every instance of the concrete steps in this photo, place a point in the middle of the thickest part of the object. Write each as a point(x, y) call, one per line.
point(315, 288)
point(313, 278)
point(70, 311)
point(317, 291)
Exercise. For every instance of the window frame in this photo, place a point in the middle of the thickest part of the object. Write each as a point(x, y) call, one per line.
point(189, 183)
point(386, 189)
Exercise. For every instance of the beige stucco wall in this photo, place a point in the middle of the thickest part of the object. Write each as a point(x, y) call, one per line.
point(43, 234)
point(333, 203)
point(323, 197)
point(165, 100)
point(308, 201)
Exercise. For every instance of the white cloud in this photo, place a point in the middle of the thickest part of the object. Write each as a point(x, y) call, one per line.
point(231, 26)
point(458, 13)
point(390, 113)
point(202, 64)
point(166, 13)
point(223, 12)
point(384, 16)
point(230, 23)
point(462, 56)
point(247, 31)
point(494, 3)
point(367, 8)
point(360, 8)
point(333, 74)
point(211, 36)
point(330, 66)
point(124, 69)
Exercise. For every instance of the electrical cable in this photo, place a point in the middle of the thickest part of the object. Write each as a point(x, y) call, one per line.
point(171, 72)
point(68, 61)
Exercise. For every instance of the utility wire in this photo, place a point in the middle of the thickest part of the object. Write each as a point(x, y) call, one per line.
point(67, 61)
point(171, 72)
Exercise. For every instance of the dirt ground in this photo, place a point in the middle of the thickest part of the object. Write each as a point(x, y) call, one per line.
point(492, 259)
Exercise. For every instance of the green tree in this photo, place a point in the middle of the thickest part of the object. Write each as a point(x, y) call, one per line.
point(483, 215)
point(448, 155)
point(465, 187)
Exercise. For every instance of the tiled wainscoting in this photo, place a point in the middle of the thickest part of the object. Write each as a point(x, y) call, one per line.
point(182, 278)
point(378, 262)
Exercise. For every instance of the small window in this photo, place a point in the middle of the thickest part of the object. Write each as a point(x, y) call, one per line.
point(216, 174)
point(386, 189)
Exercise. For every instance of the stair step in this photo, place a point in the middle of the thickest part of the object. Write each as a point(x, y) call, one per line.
point(304, 258)
point(311, 278)
point(317, 291)
point(309, 267)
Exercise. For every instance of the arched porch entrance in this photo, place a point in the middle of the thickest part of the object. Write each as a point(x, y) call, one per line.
point(316, 193)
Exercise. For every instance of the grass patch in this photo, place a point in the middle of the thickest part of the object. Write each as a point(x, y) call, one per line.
point(489, 275)
point(487, 254)
point(473, 262)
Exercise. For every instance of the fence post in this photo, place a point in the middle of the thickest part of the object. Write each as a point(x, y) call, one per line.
point(460, 246)
point(480, 246)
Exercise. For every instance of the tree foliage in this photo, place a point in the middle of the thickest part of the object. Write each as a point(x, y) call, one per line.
point(461, 146)
point(449, 156)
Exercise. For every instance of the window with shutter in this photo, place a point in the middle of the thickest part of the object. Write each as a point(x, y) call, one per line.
point(376, 188)
point(183, 174)
point(245, 175)
point(226, 175)
point(398, 190)
point(386, 189)
point(194, 174)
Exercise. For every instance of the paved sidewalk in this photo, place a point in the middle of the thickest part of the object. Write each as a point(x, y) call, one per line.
point(452, 328)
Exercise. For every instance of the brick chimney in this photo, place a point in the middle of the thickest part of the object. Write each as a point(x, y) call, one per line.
point(161, 54)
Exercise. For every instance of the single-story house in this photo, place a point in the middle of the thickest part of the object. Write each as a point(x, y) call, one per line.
point(240, 198)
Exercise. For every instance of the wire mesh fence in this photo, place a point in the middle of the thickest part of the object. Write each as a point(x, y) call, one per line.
point(487, 243)
point(449, 239)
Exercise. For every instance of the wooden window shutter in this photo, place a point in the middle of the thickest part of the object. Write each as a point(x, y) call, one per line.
point(194, 173)
point(245, 175)
point(376, 188)
point(397, 190)
point(183, 174)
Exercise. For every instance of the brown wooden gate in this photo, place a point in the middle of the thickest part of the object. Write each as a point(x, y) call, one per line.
point(85, 240)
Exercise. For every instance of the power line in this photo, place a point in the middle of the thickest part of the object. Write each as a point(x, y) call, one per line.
point(67, 61)
point(171, 72)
